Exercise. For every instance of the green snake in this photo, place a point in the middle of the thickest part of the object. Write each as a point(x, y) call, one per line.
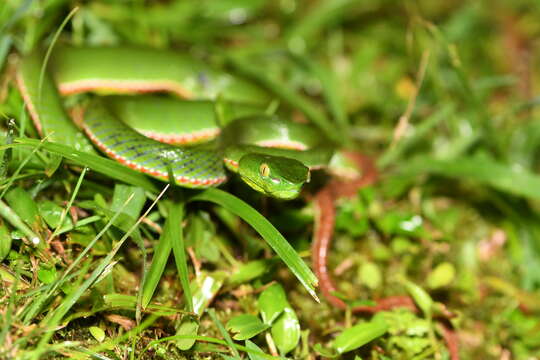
point(156, 133)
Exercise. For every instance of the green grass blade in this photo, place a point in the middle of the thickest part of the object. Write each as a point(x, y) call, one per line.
point(5, 45)
point(173, 227)
point(99, 164)
point(23, 163)
point(48, 55)
point(331, 93)
point(482, 170)
point(11, 216)
point(224, 333)
point(268, 232)
point(393, 153)
point(16, 16)
point(159, 261)
point(323, 13)
point(70, 203)
point(359, 335)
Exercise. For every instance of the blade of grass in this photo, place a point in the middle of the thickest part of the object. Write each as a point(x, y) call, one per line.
point(38, 145)
point(224, 333)
point(100, 164)
point(5, 44)
point(393, 153)
point(331, 93)
point(268, 232)
point(159, 260)
point(48, 55)
point(173, 227)
point(469, 95)
point(7, 213)
point(68, 206)
point(483, 170)
point(6, 320)
point(14, 18)
point(323, 13)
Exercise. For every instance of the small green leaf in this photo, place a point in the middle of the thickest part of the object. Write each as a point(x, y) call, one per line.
point(370, 275)
point(121, 194)
point(396, 223)
point(276, 311)
point(401, 245)
point(272, 302)
point(52, 214)
point(188, 326)
point(246, 326)
point(421, 297)
point(204, 288)
point(325, 353)
point(22, 203)
point(47, 275)
point(286, 331)
point(52, 165)
point(359, 335)
point(97, 333)
point(200, 234)
point(441, 276)
point(251, 270)
point(5, 240)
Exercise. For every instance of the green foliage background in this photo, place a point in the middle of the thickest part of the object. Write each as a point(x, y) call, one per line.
point(442, 94)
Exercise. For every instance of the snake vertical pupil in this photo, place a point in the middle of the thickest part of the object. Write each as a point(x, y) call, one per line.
point(264, 169)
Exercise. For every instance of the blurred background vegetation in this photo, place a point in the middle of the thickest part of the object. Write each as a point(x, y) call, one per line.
point(442, 94)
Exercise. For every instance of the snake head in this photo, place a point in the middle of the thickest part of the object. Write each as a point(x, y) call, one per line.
point(275, 176)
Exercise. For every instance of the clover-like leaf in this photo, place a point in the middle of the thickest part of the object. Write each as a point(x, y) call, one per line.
point(246, 326)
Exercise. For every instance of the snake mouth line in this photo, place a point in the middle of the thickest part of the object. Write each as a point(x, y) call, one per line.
point(159, 174)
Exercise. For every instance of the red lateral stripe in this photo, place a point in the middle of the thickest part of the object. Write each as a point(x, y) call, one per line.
point(182, 139)
point(123, 86)
point(231, 162)
point(156, 173)
point(283, 144)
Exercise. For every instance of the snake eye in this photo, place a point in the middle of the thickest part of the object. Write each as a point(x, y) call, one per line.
point(264, 169)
